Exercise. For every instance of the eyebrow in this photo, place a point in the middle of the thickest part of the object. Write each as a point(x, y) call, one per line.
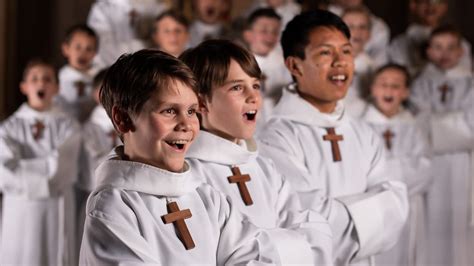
point(238, 81)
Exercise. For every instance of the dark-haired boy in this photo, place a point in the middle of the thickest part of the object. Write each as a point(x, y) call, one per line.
point(148, 206)
point(334, 162)
point(75, 78)
point(444, 97)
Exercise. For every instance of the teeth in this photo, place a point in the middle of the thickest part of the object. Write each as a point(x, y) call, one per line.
point(338, 77)
point(181, 141)
point(252, 112)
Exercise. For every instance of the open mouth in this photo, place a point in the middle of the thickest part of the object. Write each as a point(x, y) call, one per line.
point(41, 94)
point(250, 115)
point(82, 61)
point(177, 144)
point(338, 79)
point(210, 11)
point(388, 99)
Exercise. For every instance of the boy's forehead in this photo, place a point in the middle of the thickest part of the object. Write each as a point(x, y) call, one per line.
point(326, 35)
point(83, 36)
point(446, 38)
point(356, 16)
point(40, 69)
point(265, 19)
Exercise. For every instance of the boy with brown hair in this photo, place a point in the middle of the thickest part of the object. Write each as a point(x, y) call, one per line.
point(335, 163)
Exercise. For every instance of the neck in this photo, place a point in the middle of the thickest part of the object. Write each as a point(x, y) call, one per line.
point(323, 106)
point(205, 126)
point(389, 113)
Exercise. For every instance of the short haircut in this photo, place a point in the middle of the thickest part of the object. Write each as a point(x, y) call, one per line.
point(360, 10)
point(133, 78)
point(210, 63)
point(81, 28)
point(261, 13)
point(295, 37)
point(446, 29)
point(395, 66)
point(179, 17)
point(98, 78)
point(38, 62)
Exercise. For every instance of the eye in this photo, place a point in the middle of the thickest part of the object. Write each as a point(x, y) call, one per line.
point(347, 51)
point(325, 52)
point(236, 88)
point(257, 86)
point(169, 111)
point(192, 111)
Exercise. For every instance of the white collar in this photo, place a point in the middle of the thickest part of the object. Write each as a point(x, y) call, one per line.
point(26, 112)
point(130, 175)
point(459, 71)
point(212, 148)
point(293, 107)
point(418, 32)
point(373, 115)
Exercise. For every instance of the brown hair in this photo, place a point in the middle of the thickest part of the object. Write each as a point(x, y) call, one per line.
point(38, 62)
point(446, 29)
point(210, 63)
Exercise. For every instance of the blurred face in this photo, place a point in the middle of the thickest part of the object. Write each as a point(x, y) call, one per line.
point(445, 50)
point(389, 90)
point(325, 74)
point(164, 129)
point(40, 86)
point(170, 36)
point(428, 12)
point(231, 112)
point(349, 3)
point(80, 51)
point(359, 25)
point(211, 11)
point(263, 36)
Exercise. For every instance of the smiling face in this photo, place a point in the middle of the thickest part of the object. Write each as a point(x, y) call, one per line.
point(445, 50)
point(80, 50)
point(325, 74)
point(263, 36)
point(231, 111)
point(164, 129)
point(359, 24)
point(170, 36)
point(389, 90)
point(39, 86)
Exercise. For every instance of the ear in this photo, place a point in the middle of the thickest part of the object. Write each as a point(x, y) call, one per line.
point(203, 104)
point(294, 66)
point(247, 35)
point(65, 49)
point(122, 121)
point(23, 88)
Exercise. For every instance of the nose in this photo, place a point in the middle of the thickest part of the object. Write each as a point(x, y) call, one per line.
point(253, 95)
point(340, 60)
point(184, 123)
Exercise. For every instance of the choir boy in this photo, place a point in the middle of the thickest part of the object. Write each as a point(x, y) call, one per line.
point(171, 33)
point(335, 163)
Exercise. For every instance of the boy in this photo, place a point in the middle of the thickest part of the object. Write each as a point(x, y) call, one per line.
point(408, 48)
point(379, 31)
point(358, 21)
point(39, 149)
point(148, 207)
point(170, 33)
point(210, 21)
point(262, 35)
point(75, 78)
point(230, 100)
point(335, 163)
point(286, 9)
point(444, 97)
point(407, 156)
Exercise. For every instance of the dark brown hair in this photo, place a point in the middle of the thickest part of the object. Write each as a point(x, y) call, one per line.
point(38, 62)
point(180, 18)
point(446, 29)
point(210, 63)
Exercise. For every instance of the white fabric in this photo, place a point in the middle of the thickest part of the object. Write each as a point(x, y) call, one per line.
point(124, 220)
point(68, 98)
point(36, 178)
point(200, 31)
point(379, 40)
point(409, 159)
point(406, 49)
point(365, 208)
point(451, 126)
point(354, 101)
point(111, 21)
point(274, 203)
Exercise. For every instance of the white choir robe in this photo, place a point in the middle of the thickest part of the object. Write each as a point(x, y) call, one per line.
point(365, 208)
point(451, 127)
point(37, 177)
point(406, 49)
point(68, 98)
point(117, 28)
point(379, 40)
point(408, 158)
point(275, 205)
point(200, 31)
point(276, 78)
point(124, 220)
point(355, 101)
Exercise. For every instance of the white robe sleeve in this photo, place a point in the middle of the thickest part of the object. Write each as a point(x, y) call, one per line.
point(452, 131)
point(362, 225)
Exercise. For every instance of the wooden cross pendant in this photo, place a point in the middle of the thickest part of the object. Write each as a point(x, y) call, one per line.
point(240, 179)
point(177, 217)
point(80, 87)
point(388, 135)
point(333, 138)
point(37, 130)
point(444, 92)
